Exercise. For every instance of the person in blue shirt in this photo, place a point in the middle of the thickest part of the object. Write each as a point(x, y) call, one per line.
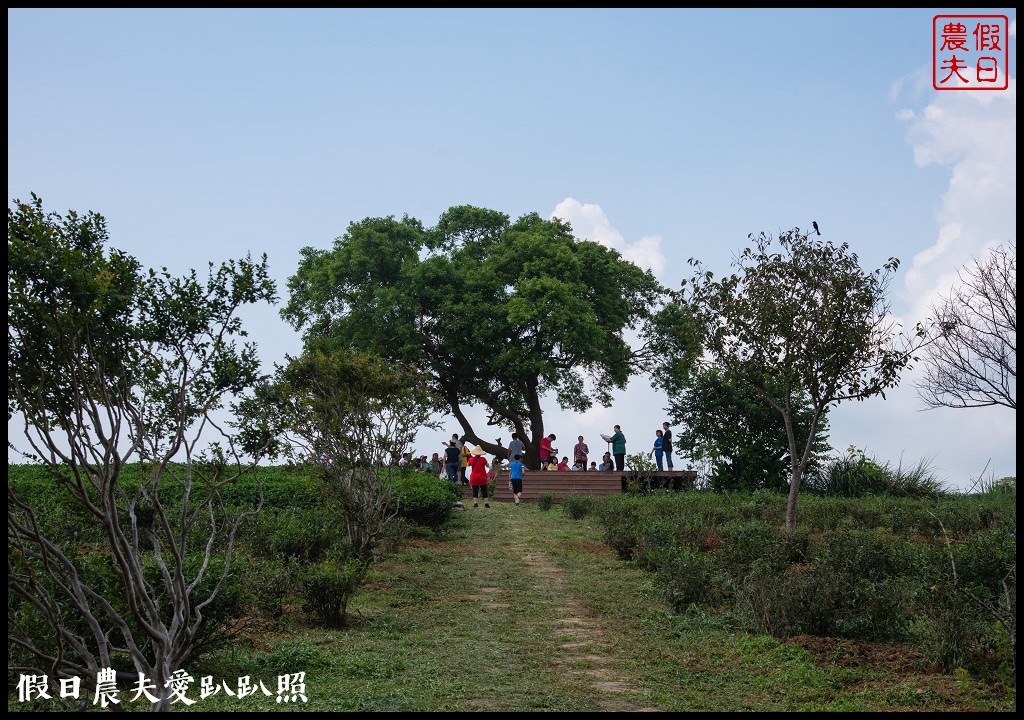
point(657, 452)
point(515, 473)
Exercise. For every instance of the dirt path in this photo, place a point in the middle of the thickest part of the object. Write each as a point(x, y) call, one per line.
point(582, 650)
point(587, 653)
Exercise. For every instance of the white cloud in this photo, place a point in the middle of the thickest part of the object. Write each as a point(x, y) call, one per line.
point(589, 222)
point(974, 134)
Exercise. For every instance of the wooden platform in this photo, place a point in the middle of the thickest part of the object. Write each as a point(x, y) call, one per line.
point(585, 483)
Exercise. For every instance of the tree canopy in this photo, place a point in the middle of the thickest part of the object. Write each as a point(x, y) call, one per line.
point(803, 321)
point(497, 313)
point(731, 425)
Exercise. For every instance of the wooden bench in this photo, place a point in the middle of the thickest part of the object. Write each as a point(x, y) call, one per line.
point(562, 483)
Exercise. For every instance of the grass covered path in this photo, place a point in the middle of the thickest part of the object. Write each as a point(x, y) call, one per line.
point(522, 610)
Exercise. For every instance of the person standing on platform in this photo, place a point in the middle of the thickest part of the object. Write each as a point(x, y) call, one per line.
point(548, 452)
point(478, 474)
point(452, 460)
point(619, 449)
point(464, 460)
point(666, 444)
point(516, 447)
point(515, 474)
point(657, 451)
point(580, 453)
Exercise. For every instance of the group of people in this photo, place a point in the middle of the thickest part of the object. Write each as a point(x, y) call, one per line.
point(581, 455)
point(662, 450)
point(470, 466)
point(459, 459)
point(432, 466)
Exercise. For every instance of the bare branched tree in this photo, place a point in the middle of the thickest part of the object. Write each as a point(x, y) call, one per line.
point(973, 361)
point(109, 369)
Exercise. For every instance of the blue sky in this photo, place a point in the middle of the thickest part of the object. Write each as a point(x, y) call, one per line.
point(202, 135)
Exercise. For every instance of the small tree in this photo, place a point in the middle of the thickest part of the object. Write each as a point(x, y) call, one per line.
point(801, 324)
point(106, 367)
point(973, 361)
point(356, 415)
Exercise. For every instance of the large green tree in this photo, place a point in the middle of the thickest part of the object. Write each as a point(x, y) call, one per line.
point(497, 313)
point(731, 426)
point(802, 321)
point(109, 366)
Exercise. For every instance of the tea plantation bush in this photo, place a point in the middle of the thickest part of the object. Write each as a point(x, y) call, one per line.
point(289, 551)
point(873, 568)
point(425, 500)
point(578, 506)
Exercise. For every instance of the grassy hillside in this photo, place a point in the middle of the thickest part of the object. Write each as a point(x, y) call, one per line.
point(590, 606)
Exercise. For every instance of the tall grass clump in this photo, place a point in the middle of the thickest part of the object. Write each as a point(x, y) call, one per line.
point(855, 474)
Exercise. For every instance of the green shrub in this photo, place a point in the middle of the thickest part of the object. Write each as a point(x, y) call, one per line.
point(267, 583)
point(640, 471)
point(327, 588)
point(578, 506)
point(301, 533)
point(60, 517)
point(690, 577)
point(545, 500)
point(283, 487)
point(620, 517)
point(965, 618)
point(424, 499)
point(873, 568)
point(741, 543)
point(864, 585)
point(94, 567)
